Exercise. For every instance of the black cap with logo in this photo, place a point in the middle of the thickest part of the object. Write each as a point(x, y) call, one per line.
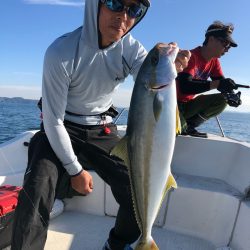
point(223, 31)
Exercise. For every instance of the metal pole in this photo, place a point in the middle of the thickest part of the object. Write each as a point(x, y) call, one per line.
point(221, 129)
point(119, 115)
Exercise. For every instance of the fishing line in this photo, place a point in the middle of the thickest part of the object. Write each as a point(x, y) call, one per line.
point(14, 173)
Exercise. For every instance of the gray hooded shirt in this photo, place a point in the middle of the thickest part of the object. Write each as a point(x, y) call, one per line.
point(81, 78)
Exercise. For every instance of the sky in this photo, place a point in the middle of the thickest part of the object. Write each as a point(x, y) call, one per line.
point(28, 27)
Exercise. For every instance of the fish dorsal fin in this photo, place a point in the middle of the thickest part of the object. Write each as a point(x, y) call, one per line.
point(178, 121)
point(121, 150)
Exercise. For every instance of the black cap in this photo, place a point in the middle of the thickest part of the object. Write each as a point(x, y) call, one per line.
point(223, 32)
point(145, 2)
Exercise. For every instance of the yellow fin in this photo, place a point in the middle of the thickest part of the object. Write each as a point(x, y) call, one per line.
point(121, 150)
point(178, 121)
point(171, 182)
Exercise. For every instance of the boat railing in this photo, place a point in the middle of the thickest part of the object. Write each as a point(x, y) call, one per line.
point(119, 116)
point(117, 119)
point(219, 124)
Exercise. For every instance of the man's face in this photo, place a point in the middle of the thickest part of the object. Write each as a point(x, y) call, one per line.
point(113, 25)
point(221, 46)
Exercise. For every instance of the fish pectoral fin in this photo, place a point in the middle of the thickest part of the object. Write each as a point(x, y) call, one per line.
point(121, 150)
point(178, 121)
point(158, 105)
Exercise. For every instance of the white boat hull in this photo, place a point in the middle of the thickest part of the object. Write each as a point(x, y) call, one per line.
point(207, 211)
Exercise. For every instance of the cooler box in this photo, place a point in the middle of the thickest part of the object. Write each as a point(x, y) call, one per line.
point(8, 202)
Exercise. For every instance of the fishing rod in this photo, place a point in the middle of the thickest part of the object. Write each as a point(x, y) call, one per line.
point(242, 86)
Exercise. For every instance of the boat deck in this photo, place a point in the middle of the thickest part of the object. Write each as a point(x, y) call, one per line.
point(78, 231)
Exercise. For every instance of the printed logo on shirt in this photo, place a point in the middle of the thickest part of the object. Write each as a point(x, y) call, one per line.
point(201, 74)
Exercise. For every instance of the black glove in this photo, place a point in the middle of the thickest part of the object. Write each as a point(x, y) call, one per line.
point(233, 99)
point(227, 85)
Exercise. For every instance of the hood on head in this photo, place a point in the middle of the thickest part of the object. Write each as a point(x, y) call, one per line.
point(90, 31)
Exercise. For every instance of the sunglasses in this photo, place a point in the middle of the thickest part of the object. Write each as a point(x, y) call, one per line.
point(133, 10)
point(225, 44)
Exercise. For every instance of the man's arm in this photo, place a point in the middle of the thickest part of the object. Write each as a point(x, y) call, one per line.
point(188, 85)
point(54, 92)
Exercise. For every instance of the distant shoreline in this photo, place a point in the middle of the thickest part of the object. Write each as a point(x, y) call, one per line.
point(15, 99)
point(21, 99)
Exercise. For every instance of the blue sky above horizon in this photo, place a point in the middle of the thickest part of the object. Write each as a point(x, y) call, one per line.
point(29, 26)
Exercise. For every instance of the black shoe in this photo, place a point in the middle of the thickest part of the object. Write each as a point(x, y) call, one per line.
point(193, 132)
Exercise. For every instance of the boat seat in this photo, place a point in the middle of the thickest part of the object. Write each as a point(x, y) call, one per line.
point(188, 208)
point(241, 239)
point(201, 206)
point(215, 157)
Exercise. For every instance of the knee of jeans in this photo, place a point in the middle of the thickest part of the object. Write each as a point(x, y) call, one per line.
point(223, 104)
point(41, 179)
point(221, 98)
point(43, 168)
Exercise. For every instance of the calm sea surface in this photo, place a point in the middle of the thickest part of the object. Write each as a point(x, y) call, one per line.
point(19, 115)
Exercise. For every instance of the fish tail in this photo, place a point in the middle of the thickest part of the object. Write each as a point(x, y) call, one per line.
point(146, 245)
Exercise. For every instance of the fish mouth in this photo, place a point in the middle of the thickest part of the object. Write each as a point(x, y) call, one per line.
point(159, 87)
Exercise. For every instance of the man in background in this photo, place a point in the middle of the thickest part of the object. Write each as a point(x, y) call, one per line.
point(204, 64)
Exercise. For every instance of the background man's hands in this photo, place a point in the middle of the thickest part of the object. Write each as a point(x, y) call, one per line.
point(182, 58)
point(82, 183)
point(181, 61)
point(227, 85)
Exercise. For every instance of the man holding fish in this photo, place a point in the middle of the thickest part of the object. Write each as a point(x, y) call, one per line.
point(81, 71)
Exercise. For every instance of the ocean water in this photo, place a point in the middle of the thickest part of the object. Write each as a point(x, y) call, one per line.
point(18, 115)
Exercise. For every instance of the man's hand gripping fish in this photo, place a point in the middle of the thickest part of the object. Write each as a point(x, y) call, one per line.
point(148, 145)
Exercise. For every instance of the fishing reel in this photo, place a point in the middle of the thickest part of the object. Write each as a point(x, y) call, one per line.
point(232, 98)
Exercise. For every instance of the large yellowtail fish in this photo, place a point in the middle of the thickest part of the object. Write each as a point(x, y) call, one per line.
point(148, 145)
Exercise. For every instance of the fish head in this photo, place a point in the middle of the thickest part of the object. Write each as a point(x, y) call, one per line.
point(154, 84)
point(158, 69)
